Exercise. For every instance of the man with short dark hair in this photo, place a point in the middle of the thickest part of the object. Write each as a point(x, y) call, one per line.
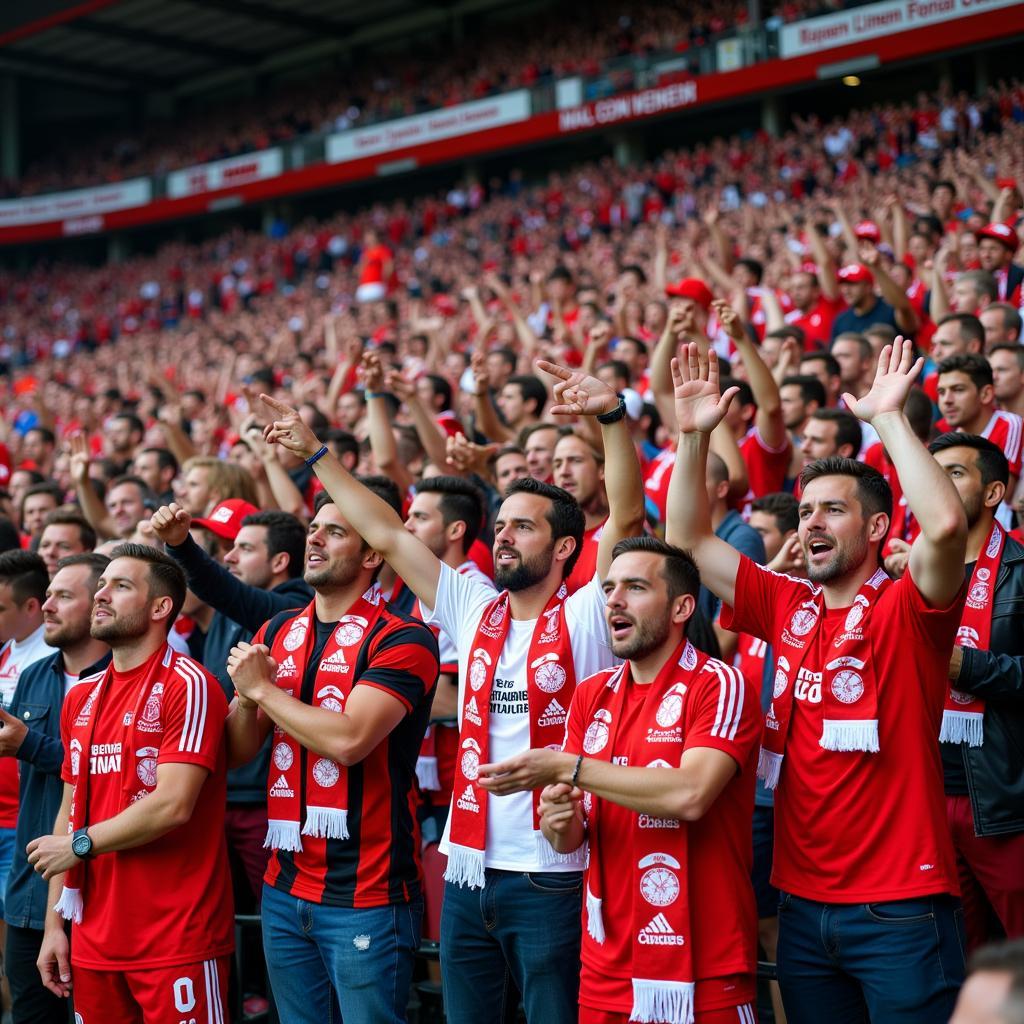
point(994, 990)
point(800, 397)
point(983, 764)
point(824, 366)
point(1002, 323)
point(521, 401)
point(957, 334)
point(1007, 362)
point(31, 733)
point(830, 432)
point(65, 532)
point(852, 351)
point(122, 435)
point(38, 447)
point(38, 502)
point(137, 860)
point(656, 778)
point(849, 738)
point(538, 444)
point(157, 467)
point(519, 657)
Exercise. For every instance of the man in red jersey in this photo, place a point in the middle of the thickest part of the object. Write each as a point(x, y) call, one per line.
point(868, 918)
point(138, 859)
point(670, 916)
point(345, 685)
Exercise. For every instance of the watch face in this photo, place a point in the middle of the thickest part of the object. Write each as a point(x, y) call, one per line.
point(81, 845)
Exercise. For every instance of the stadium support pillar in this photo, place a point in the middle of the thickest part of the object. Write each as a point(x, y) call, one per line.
point(10, 129)
point(771, 116)
point(627, 149)
point(981, 79)
point(117, 249)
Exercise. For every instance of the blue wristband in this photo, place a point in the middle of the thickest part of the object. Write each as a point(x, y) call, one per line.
point(318, 455)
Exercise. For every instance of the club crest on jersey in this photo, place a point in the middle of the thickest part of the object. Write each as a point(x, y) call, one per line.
point(659, 885)
point(129, 717)
point(326, 773)
point(470, 762)
point(282, 789)
point(803, 621)
point(146, 768)
point(472, 712)
point(478, 669)
point(350, 630)
point(296, 636)
point(283, 757)
point(967, 636)
point(468, 802)
point(548, 674)
point(553, 714)
point(596, 737)
point(659, 933)
point(670, 710)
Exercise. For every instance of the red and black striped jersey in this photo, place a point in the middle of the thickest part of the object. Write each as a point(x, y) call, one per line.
point(379, 863)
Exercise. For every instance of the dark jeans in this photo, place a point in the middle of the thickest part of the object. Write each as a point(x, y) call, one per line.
point(519, 934)
point(33, 1004)
point(900, 962)
point(328, 964)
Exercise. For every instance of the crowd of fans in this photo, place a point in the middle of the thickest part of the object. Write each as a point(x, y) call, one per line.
point(532, 363)
point(589, 40)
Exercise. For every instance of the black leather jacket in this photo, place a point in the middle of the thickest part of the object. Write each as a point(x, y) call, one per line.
point(995, 770)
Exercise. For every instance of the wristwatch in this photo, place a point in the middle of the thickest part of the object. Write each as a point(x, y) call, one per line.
point(81, 844)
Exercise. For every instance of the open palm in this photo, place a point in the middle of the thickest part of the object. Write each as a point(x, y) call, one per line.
point(894, 378)
point(700, 405)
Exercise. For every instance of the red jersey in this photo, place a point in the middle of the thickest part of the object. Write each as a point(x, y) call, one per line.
point(844, 830)
point(750, 655)
point(722, 711)
point(657, 479)
point(816, 323)
point(374, 261)
point(766, 467)
point(586, 565)
point(168, 902)
point(379, 863)
point(1005, 429)
point(904, 525)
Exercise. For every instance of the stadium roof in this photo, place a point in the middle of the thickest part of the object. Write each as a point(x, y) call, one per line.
point(194, 45)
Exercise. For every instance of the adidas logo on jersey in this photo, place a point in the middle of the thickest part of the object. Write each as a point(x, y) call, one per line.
point(554, 714)
point(287, 668)
point(472, 712)
point(335, 663)
point(659, 933)
point(467, 802)
point(282, 789)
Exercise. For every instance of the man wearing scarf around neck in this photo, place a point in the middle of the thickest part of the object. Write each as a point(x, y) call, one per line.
point(983, 720)
point(138, 857)
point(656, 779)
point(511, 918)
point(869, 922)
point(345, 685)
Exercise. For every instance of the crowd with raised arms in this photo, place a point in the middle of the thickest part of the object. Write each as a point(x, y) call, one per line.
point(646, 544)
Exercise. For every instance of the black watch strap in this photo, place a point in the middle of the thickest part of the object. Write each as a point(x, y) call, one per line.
point(81, 844)
point(615, 415)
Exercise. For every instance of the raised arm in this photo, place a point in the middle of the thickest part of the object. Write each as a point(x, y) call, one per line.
point(373, 519)
point(378, 422)
point(937, 555)
point(429, 433)
point(826, 265)
point(700, 407)
point(487, 420)
point(88, 500)
point(578, 395)
point(906, 315)
point(660, 376)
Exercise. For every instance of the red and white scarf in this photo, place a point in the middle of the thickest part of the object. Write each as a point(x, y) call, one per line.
point(549, 671)
point(964, 714)
point(326, 781)
point(138, 753)
point(849, 689)
point(662, 947)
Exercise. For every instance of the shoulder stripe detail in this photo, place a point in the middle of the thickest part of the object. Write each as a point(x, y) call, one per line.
point(730, 701)
point(195, 707)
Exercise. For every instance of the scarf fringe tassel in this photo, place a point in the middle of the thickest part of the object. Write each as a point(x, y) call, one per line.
point(962, 727)
point(849, 735)
point(326, 823)
point(283, 835)
point(667, 1001)
point(768, 767)
point(426, 773)
point(549, 857)
point(70, 905)
point(465, 867)
point(595, 917)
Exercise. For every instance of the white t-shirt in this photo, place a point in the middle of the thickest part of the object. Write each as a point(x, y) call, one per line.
point(461, 600)
point(445, 644)
point(15, 657)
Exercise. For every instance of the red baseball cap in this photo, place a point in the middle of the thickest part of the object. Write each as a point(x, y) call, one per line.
point(868, 230)
point(855, 273)
point(691, 288)
point(226, 518)
point(1000, 233)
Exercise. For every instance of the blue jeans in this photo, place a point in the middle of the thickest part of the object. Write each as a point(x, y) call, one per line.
point(900, 962)
point(327, 964)
point(6, 856)
point(520, 934)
